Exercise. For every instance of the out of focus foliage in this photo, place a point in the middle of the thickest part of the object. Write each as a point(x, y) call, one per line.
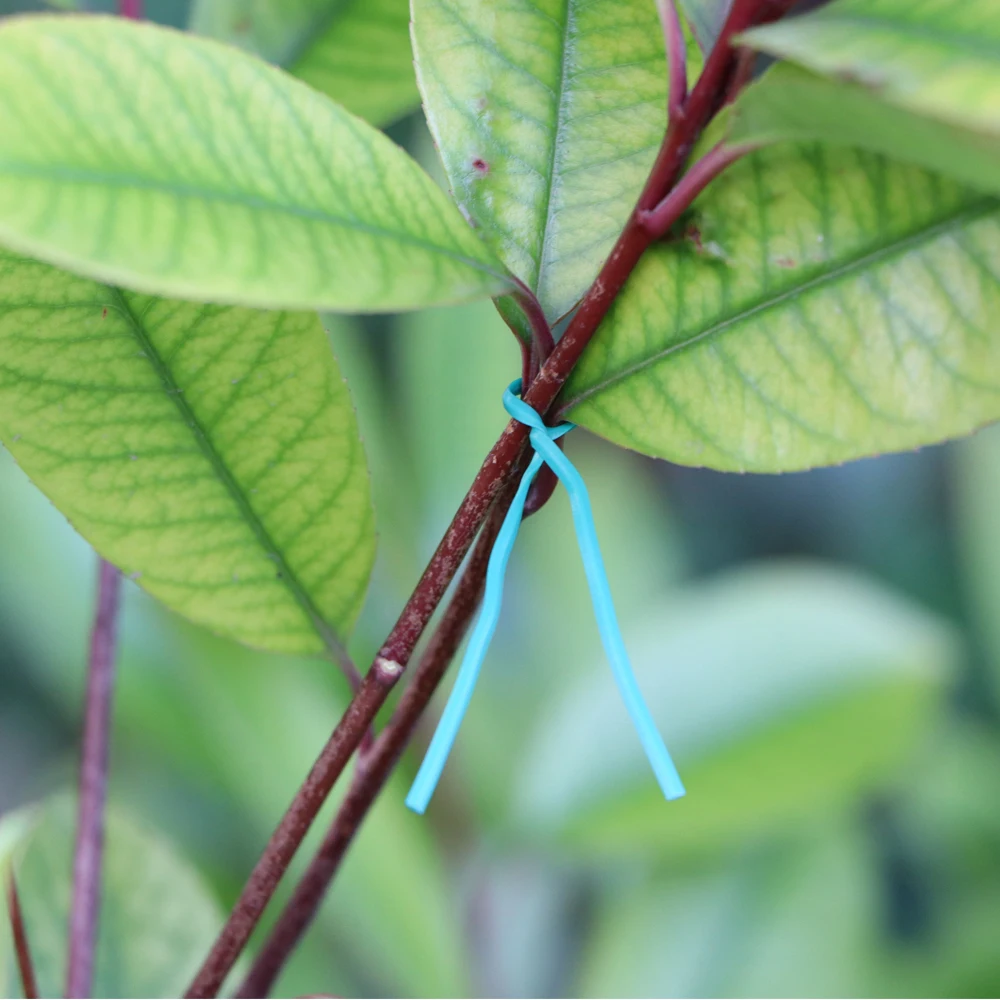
point(821, 648)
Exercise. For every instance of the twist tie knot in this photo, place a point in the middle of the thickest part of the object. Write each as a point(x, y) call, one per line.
point(543, 440)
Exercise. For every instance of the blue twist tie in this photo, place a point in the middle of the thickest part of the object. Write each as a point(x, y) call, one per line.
point(543, 440)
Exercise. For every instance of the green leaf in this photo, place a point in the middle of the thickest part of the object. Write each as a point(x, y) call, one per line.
point(706, 18)
point(548, 120)
point(800, 917)
point(157, 916)
point(174, 165)
point(936, 58)
point(355, 51)
point(210, 451)
point(822, 304)
point(790, 103)
point(784, 693)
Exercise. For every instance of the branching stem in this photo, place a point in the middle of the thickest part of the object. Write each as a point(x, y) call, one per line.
point(373, 771)
point(493, 477)
point(88, 855)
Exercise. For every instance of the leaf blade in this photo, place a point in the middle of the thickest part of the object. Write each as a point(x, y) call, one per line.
point(356, 52)
point(935, 58)
point(157, 916)
point(848, 316)
point(547, 120)
point(269, 194)
point(212, 451)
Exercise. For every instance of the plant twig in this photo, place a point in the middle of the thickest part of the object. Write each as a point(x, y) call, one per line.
point(130, 8)
point(88, 855)
point(25, 966)
point(659, 220)
point(294, 825)
point(374, 769)
point(703, 102)
point(673, 37)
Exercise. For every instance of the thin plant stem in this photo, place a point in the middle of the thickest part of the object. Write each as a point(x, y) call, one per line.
point(673, 37)
point(25, 966)
point(88, 855)
point(500, 464)
point(285, 841)
point(131, 9)
point(374, 769)
point(659, 220)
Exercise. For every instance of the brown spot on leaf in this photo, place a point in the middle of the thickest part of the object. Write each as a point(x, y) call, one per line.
point(480, 166)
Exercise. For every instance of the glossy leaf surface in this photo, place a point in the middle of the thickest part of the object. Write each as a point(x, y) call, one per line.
point(210, 451)
point(822, 304)
point(791, 103)
point(936, 57)
point(157, 916)
point(355, 51)
point(259, 190)
point(548, 117)
point(835, 680)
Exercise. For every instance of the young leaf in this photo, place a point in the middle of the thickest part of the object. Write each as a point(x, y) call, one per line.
point(706, 18)
point(791, 103)
point(355, 51)
point(784, 692)
point(937, 58)
point(822, 304)
point(174, 165)
point(157, 916)
point(210, 451)
point(547, 122)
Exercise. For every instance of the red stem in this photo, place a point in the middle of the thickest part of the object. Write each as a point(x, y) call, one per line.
point(659, 220)
point(707, 96)
point(88, 855)
point(131, 9)
point(673, 37)
point(25, 966)
point(293, 827)
point(375, 769)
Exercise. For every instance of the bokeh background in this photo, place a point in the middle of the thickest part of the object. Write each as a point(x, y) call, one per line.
point(821, 651)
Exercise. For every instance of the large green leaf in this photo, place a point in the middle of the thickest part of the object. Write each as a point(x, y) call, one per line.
point(157, 917)
point(177, 166)
point(791, 103)
point(784, 692)
point(823, 304)
point(548, 116)
point(355, 51)
point(936, 57)
point(210, 451)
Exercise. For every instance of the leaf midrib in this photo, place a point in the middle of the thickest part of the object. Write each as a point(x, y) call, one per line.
point(272, 551)
point(968, 214)
point(109, 179)
point(561, 112)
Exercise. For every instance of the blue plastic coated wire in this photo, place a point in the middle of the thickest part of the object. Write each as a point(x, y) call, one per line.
point(543, 440)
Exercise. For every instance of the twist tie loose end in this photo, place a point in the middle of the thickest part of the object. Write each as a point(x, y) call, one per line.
point(543, 440)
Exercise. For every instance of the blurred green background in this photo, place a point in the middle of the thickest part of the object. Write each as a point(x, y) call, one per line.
point(821, 651)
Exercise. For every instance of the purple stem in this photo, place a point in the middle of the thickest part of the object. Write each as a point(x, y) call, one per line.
point(29, 984)
point(87, 859)
point(658, 220)
point(673, 37)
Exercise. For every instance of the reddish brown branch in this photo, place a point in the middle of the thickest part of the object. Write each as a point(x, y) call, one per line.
point(293, 827)
point(25, 966)
point(374, 769)
point(496, 472)
point(89, 852)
